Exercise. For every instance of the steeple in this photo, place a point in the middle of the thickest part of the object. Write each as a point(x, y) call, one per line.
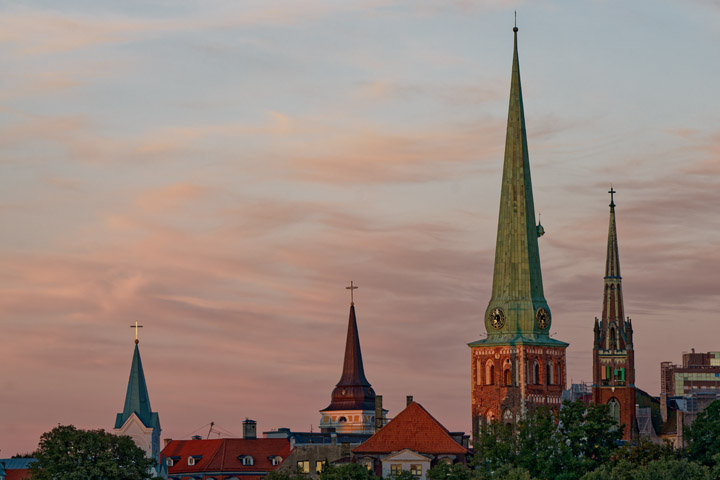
point(137, 400)
point(518, 308)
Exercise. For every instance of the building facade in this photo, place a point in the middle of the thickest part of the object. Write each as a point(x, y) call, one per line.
point(613, 353)
point(699, 372)
point(517, 365)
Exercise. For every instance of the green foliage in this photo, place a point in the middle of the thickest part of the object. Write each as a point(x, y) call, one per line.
point(68, 453)
point(24, 455)
point(645, 452)
point(662, 469)
point(704, 436)
point(403, 475)
point(286, 475)
point(449, 471)
point(346, 471)
point(545, 446)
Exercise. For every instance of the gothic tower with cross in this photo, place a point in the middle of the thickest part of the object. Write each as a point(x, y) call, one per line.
point(352, 406)
point(137, 419)
point(517, 365)
point(613, 354)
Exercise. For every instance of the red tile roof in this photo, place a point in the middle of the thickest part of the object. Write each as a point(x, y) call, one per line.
point(221, 455)
point(413, 428)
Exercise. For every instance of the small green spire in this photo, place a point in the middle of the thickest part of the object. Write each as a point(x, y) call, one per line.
point(137, 399)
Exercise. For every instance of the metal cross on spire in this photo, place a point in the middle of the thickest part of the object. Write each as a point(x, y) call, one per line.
point(612, 193)
point(136, 326)
point(351, 288)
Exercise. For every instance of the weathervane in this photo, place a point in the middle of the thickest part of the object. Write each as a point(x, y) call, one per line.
point(136, 326)
point(351, 288)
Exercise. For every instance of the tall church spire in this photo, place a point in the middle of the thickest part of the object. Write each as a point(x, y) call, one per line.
point(613, 354)
point(353, 399)
point(517, 294)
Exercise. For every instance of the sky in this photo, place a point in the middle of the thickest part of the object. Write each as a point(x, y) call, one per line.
point(219, 171)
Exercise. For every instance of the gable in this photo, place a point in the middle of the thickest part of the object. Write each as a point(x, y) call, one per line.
point(406, 455)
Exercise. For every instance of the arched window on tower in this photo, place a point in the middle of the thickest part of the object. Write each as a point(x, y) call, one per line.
point(613, 339)
point(536, 372)
point(489, 373)
point(478, 368)
point(550, 373)
point(614, 409)
point(507, 372)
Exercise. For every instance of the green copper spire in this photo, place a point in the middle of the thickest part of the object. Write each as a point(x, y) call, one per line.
point(137, 399)
point(517, 311)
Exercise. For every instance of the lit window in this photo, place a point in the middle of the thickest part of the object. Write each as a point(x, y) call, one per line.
point(247, 460)
point(395, 468)
point(319, 466)
point(303, 466)
point(368, 464)
point(416, 469)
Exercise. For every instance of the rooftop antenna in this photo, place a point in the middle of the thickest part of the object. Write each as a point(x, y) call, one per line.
point(212, 424)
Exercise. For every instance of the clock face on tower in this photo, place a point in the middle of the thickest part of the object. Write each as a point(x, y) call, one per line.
point(543, 318)
point(497, 318)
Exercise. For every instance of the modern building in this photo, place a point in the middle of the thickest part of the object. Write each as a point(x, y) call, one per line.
point(517, 365)
point(352, 406)
point(413, 441)
point(699, 372)
point(247, 458)
point(137, 419)
point(613, 353)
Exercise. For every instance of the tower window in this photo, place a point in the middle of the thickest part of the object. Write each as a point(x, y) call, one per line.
point(489, 373)
point(614, 409)
point(550, 372)
point(536, 373)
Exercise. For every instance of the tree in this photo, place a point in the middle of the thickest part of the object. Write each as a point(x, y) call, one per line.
point(662, 469)
point(69, 453)
point(346, 471)
point(704, 436)
point(448, 471)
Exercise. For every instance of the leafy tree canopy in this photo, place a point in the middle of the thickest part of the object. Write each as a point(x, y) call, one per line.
point(346, 471)
point(704, 436)
point(69, 453)
point(447, 471)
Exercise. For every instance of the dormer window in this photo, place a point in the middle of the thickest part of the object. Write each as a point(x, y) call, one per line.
point(169, 462)
point(191, 461)
point(276, 460)
point(247, 460)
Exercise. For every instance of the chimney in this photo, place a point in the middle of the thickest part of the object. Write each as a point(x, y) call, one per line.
point(378, 413)
point(249, 429)
point(333, 438)
point(166, 442)
point(663, 407)
point(408, 400)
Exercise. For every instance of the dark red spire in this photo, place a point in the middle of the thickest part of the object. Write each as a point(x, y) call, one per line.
point(353, 391)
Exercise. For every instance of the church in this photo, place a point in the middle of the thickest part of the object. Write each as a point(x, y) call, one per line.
point(517, 365)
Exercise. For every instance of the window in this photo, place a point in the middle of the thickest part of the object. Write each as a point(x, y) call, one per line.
point(536, 373)
point(342, 419)
point(191, 461)
point(303, 466)
point(489, 373)
point(276, 460)
point(169, 462)
point(614, 409)
point(416, 469)
point(319, 465)
point(508, 376)
point(613, 339)
point(247, 460)
point(368, 464)
point(550, 371)
point(395, 468)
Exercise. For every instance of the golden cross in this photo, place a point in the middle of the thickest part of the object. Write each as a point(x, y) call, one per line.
point(136, 326)
point(351, 288)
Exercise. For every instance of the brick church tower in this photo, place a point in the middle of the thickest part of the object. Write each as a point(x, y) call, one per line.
point(613, 355)
point(517, 366)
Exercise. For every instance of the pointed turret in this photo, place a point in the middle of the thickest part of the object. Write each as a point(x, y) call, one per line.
point(137, 418)
point(137, 400)
point(353, 391)
point(517, 309)
point(352, 405)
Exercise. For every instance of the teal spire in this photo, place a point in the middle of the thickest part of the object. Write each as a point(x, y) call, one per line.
point(137, 400)
point(517, 311)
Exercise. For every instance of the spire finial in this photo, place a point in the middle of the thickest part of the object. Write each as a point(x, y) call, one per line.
point(351, 288)
point(612, 193)
point(515, 29)
point(136, 326)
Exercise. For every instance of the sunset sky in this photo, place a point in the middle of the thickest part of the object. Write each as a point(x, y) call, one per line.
point(220, 170)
